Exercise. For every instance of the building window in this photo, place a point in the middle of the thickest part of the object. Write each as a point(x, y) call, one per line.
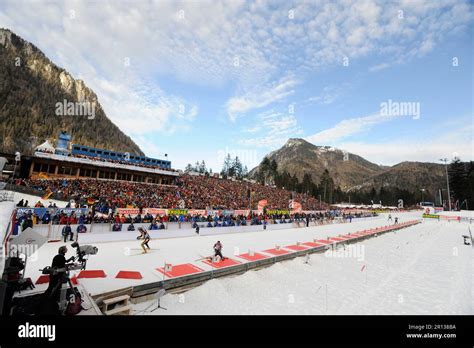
point(66, 170)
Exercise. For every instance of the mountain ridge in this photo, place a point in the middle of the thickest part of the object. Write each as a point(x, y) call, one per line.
point(352, 172)
point(30, 87)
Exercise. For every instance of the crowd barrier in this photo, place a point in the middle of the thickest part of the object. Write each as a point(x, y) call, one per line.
point(103, 231)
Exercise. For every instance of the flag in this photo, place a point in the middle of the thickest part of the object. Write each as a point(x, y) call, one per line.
point(295, 205)
point(47, 194)
point(178, 195)
point(362, 269)
point(262, 203)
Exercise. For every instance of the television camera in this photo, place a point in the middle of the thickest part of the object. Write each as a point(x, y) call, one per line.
point(83, 253)
point(78, 262)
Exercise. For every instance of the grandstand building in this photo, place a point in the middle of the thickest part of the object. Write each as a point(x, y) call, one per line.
point(78, 161)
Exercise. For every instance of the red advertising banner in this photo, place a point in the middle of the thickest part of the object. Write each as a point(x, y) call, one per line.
point(128, 211)
point(155, 211)
point(135, 211)
point(197, 212)
point(241, 212)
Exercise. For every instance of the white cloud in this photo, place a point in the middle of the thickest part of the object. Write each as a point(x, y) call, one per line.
point(347, 128)
point(143, 109)
point(390, 153)
point(276, 129)
point(246, 45)
point(446, 139)
point(253, 129)
point(202, 46)
point(379, 67)
point(329, 94)
point(260, 97)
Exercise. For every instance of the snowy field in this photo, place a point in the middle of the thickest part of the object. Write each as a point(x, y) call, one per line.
point(127, 255)
point(424, 269)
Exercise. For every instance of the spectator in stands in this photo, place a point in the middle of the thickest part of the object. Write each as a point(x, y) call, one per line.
point(117, 227)
point(46, 217)
point(81, 229)
point(63, 219)
point(131, 227)
point(148, 217)
point(35, 218)
point(28, 222)
point(153, 226)
point(73, 219)
point(197, 192)
point(138, 219)
point(82, 219)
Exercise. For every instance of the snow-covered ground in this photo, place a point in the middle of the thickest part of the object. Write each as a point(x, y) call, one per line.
point(126, 255)
point(424, 269)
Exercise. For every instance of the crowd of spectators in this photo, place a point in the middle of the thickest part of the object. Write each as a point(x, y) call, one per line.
point(192, 192)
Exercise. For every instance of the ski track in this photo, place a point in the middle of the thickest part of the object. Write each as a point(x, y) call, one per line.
point(422, 276)
point(423, 269)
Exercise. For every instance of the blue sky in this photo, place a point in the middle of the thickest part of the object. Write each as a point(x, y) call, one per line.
point(197, 80)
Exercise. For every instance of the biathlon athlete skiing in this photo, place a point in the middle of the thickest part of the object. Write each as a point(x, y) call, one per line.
point(218, 251)
point(145, 239)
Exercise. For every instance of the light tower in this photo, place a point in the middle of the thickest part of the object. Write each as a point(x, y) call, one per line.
point(445, 160)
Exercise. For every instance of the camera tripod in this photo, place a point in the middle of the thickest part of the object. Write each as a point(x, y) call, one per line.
point(63, 285)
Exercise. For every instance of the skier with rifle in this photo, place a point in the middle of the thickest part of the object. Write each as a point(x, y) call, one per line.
point(218, 251)
point(145, 237)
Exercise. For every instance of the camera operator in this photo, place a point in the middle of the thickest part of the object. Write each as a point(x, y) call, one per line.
point(57, 278)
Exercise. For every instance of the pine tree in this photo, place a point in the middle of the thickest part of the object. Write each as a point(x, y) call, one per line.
point(327, 187)
point(470, 184)
point(245, 172)
point(306, 183)
point(202, 167)
point(237, 165)
point(227, 166)
point(273, 168)
point(189, 168)
point(458, 180)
